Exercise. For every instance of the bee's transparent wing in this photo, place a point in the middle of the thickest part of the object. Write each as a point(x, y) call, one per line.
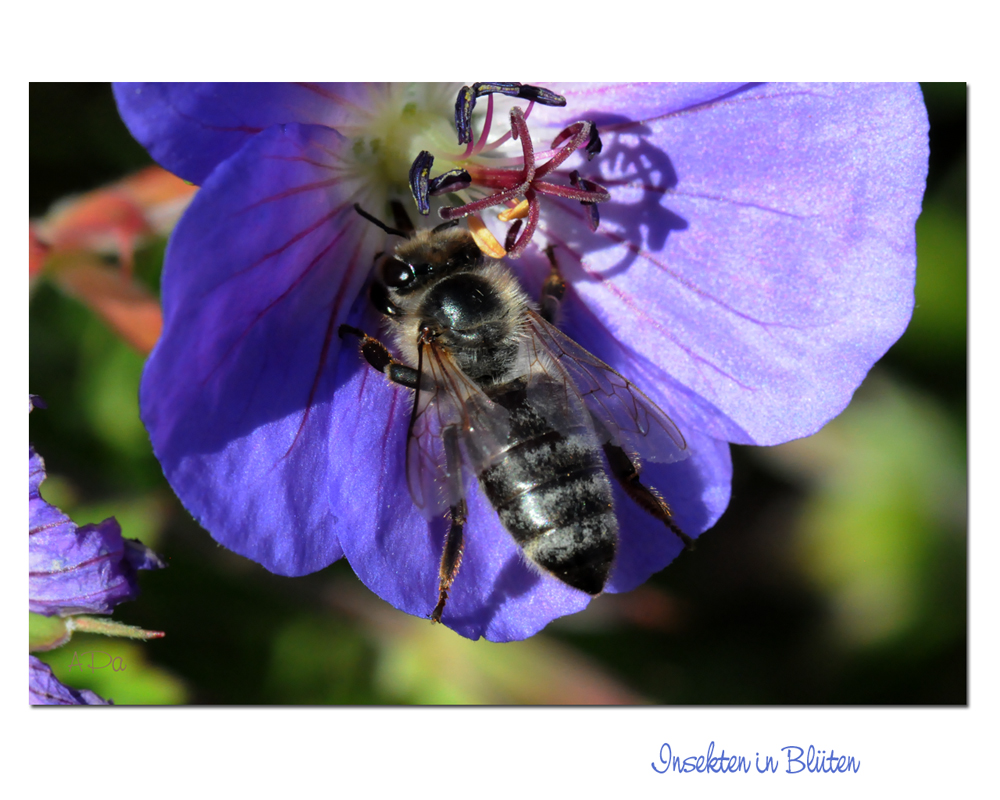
point(621, 413)
point(452, 423)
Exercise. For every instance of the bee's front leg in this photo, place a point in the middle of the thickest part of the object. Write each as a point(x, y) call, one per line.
point(378, 356)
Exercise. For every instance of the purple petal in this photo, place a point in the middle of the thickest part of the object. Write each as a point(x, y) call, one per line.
point(45, 690)
point(633, 101)
point(190, 128)
point(86, 570)
point(238, 395)
point(71, 570)
point(758, 253)
point(41, 515)
point(141, 557)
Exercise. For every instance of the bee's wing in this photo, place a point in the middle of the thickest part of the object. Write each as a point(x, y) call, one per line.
point(452, 423)
point(621, 413)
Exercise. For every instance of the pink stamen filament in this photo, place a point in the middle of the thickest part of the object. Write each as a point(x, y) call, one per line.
point(515, 178)
point(529, 228)
point(486, 126)
point(506, 136)
point(570, 192)
point(510, 183)
point(572, 145)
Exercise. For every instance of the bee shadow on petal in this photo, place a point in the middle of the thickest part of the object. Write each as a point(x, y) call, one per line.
point(514, 580)
point(639, 176)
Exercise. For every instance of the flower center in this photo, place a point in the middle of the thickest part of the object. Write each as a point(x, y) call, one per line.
point(401, 122)
point(482, 178)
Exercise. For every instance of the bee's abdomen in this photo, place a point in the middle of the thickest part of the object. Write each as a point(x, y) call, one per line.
point(553, 495)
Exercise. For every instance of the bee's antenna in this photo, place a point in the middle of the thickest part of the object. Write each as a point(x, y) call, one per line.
point(379, 223)
point(445, 225)
point(401, 218)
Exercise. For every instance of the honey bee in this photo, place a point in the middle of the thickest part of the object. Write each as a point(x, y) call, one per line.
point(503, 393)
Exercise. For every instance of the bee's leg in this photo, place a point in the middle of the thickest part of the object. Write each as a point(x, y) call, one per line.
point(378, 357)
point(649, 499)
point(553, 290)
point(451, 556)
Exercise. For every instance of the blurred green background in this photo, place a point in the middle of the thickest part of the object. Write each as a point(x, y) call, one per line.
point(837, 575)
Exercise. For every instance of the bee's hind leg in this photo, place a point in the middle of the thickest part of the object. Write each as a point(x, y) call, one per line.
point(553, 290)
point(454, 543)
point(649, 499)
point(451, 557)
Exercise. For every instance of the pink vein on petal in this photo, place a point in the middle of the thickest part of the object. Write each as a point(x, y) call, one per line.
point(278, 251)
point(324, 352)
point(273, 303)
point(305, 187)
point(251, 129)
point(80, 564)
point(719, 102)
point(304, 160)
point(647, 256)
point(49, 525)
point(670, 192)
point(388, 423)
point(328, 95)
point(626, 298)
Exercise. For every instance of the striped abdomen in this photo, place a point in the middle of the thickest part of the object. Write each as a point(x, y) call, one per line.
point(552, 493)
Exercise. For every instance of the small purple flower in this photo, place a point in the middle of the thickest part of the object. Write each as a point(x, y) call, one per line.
point(44, 689)
point(74, 570)
point(78, 570)
point(744, 253)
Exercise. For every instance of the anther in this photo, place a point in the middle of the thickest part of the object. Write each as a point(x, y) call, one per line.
point(484, 239)
point(467, 95)
point(593, 215)
point(451, 181)
point(594, 145)
point(512, 235)
point(514, 184)
point(520, 211)
point(463, 114)
point(420, 172)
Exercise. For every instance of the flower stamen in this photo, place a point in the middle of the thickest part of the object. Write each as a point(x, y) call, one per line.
point(484, 238)
point(513, 182)
point(510, 183)
point(520, 211)
point(486, 127)
point(467, 96)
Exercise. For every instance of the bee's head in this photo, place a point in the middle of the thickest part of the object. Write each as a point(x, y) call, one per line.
point(423, 258)
point(426, 257)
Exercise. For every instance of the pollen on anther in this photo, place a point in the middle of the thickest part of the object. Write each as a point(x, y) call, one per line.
point(520, 211)
point(484, 239)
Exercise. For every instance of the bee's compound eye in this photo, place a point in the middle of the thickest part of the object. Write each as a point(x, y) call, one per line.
point(397, 274)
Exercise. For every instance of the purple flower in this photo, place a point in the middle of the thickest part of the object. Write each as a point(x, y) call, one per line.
point(44, 689)
point(74, 570)
point(754, 258)
point(77, 570)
